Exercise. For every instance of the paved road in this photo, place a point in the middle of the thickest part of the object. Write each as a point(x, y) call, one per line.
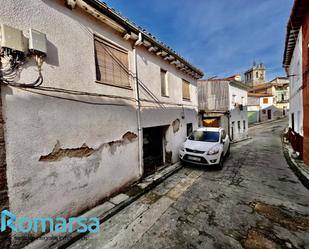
point(255, 202)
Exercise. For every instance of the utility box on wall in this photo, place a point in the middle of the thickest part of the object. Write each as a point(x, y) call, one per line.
point(37, 41)
point(12, 38)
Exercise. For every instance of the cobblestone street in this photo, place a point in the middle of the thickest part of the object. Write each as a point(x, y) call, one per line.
point(254, 202)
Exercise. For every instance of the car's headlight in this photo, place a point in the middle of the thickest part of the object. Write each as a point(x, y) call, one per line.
point(214, 150)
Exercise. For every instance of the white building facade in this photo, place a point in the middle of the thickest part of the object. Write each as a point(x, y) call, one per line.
point(238, 97)
point(224, 103)
point(295, 72)
point(89, 130)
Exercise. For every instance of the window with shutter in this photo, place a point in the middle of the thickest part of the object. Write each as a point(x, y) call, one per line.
point(164, 83)
point(112, 64)
point(185, 90)
point(265, 100)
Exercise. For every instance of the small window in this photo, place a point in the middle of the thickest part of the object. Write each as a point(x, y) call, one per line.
point(112, 63)
point(164, 83)
point(244, 123)
point(264, 111)
point(189, 129)
point(257, 75)
point(238, 125)
point(265, 100)
point(185, 90)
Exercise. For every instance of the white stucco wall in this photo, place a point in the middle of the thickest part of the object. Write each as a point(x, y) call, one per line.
point(296, 82)
point(35, 124)
point(270, 102)
point(236, 116)
point(240, 97)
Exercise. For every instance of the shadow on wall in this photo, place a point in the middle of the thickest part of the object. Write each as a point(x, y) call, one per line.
point(52, 54)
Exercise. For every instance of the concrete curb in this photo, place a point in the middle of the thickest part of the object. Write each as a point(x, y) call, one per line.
point(148, 184)
point(241, 140)
point(294, 165)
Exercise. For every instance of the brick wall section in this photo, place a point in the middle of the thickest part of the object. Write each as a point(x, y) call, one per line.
point(306, 87)
point(4, 200)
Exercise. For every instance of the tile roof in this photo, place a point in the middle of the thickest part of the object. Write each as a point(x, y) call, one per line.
point(131, 26)
point(298, 13)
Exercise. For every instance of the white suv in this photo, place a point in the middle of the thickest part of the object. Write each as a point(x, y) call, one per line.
point(206, 146)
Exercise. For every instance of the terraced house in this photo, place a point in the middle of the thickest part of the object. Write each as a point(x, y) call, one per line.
point(296, 64)
point(111, 106)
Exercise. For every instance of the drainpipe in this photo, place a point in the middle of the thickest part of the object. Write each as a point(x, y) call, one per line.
point(138, 108)
point(228, 123)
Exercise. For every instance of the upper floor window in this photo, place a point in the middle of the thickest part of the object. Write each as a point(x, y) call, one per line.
point(265, 100)
point(185, 90)
point(164, 83)
point(257, 74)
point(112, 63)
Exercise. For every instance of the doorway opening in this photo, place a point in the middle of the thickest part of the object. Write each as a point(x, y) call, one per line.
point(269, 114)
point(153, 149)
point(232, 130)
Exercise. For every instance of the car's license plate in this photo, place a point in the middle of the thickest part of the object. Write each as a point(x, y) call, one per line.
point(194, 158)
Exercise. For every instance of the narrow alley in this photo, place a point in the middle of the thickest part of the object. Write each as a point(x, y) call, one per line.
point(254, 202)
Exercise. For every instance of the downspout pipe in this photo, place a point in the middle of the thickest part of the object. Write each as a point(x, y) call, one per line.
point(229, 123)
point(138, 108)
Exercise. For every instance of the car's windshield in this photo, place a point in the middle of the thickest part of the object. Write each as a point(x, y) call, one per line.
point(204, 136)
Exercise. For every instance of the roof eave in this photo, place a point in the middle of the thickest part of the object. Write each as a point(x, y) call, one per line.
point(111, 13)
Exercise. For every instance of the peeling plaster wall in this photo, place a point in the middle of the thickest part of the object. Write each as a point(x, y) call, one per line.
point(35, 123)
point(149, 67)
point(63, 156)
point(70, 183)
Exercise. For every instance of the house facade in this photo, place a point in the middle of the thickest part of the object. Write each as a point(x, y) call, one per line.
point(114, 106)
point(260, 107)
point(223, 102)
point(295, 62)
point(273, 100)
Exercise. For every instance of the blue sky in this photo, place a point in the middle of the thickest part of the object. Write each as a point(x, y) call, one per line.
point(221, 37)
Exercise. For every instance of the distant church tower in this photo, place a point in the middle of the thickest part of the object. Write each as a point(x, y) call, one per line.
point(255, 75)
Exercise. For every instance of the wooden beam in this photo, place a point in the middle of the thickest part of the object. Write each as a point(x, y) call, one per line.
point(146, 43)
point(127, 36)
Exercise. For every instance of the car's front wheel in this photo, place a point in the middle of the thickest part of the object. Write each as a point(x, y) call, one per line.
point(228, 151)
point(221, 162)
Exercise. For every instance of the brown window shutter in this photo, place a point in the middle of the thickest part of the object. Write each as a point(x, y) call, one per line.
point(164, 91)
point(185, 90)
point(112, 64)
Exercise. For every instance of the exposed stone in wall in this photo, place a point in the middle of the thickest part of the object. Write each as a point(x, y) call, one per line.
point(176, 125)
point(59, 153)
point(4, 199)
